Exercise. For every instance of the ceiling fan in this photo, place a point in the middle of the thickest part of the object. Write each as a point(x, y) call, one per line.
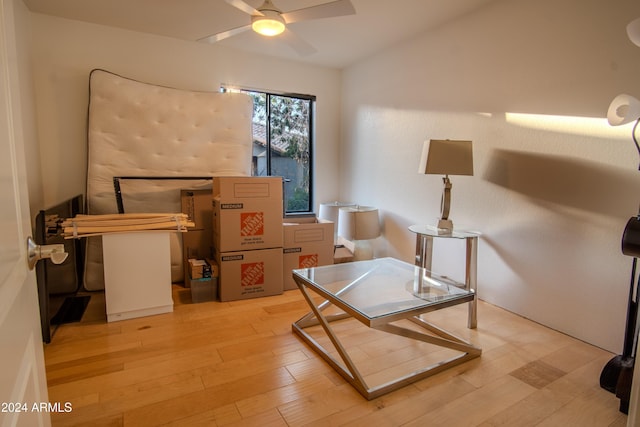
point(270, 21)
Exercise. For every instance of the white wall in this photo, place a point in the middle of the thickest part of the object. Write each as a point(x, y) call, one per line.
point(22, 23)
point(529, 83)
point(65, 51)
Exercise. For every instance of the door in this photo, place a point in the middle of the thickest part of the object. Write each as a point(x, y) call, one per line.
point(23, 388)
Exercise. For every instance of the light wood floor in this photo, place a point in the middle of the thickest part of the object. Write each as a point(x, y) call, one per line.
point(238, 364)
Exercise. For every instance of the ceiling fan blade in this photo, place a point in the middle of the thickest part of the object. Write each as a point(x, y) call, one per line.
point(239, 4)
point(225, 34)
point(297, 43)
point(326, 10)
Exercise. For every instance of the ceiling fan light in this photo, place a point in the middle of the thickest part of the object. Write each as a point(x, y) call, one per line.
point(271, 24)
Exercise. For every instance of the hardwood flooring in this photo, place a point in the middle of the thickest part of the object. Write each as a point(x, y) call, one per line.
point(238, 364)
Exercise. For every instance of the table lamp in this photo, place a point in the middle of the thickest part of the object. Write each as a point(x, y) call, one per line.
point(359, 224)
point(330, 211)
point(446, 157)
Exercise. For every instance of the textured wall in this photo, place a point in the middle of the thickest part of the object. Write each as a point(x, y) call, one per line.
point(554, 185)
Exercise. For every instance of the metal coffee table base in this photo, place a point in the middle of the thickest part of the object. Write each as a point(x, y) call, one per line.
point(351, 373)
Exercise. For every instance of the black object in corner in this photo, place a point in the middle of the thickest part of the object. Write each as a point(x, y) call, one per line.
point(57, 282)
point(617, 374)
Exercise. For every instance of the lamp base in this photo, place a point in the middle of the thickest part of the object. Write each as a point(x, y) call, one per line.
point(445, 225)
point(362, 250)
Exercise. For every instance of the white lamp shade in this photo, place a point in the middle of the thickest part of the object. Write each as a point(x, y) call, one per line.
point(359, 223)
point(329, 211)
point(633, 31)
point(623, 109)
point(446, 157)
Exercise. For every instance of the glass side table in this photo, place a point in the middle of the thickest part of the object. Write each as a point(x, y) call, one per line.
point(424, 257)
point(381, 294)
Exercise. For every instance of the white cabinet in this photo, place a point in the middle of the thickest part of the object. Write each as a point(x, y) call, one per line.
point(137, 274)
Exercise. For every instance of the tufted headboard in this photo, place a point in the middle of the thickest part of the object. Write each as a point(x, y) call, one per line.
point(144, 130)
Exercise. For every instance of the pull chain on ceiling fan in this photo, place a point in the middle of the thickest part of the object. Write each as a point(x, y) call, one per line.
point(270, 21)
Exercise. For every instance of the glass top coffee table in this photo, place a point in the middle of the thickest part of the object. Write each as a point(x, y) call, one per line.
point(382, 294)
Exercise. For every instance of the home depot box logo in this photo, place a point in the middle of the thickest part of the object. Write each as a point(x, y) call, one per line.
point(252, 274)
point(308, 261)
point(252, 224)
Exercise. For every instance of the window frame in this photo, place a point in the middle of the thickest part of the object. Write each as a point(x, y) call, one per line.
point(311, 124)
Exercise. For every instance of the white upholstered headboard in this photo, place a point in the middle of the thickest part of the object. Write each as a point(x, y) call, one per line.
point(145, 130)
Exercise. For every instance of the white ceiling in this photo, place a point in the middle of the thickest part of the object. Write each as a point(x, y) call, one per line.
point(339, 41)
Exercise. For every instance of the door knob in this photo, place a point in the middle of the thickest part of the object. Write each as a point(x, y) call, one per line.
point(36, 252)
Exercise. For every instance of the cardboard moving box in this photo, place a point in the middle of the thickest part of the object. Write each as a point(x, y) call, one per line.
point(196, 204)
point(195, 244)
point(249, 274)
point(247, 213)
point(198, 241)
point(199, 268)
point(307, 243)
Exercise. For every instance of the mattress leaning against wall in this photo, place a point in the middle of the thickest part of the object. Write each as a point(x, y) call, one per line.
point(141, 129)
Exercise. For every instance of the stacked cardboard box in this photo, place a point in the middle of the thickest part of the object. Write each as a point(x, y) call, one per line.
point(197, 243)
point(199, 268)
point(247, 236)
point(308, 242)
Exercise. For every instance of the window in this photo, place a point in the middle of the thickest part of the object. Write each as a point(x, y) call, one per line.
point(282, 143)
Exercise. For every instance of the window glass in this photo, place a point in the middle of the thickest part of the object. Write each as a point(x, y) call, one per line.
point(282, 142)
